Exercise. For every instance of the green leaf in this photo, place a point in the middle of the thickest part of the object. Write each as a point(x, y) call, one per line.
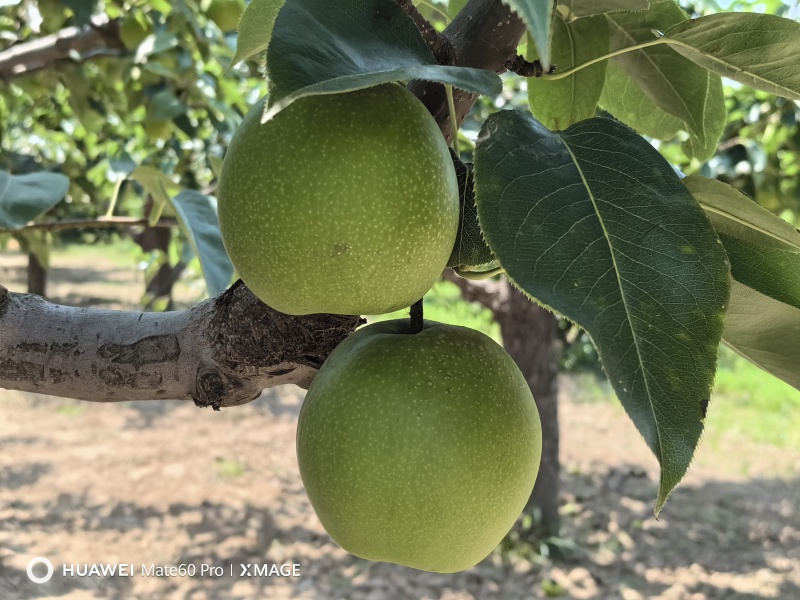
point(454, 7)
point(24, 197)
point(760, 51)
point(197, 215)
point(37, 243)
point(627, 102)
point(82, 9)
point(674, 83)
point(764, 331)
point(587, 8)
point(255, 28)
point(333, 46)
point(763, 249)
point(470, 249)
point(594, 223)
point(563, 102)
point(158, 185)
point(164, 106)
point(537, 15)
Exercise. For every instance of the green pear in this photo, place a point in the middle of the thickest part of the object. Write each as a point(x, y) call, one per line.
point(419, 449)
point(342, 203)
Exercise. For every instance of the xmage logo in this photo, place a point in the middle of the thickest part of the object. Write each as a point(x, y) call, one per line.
point(270, 570)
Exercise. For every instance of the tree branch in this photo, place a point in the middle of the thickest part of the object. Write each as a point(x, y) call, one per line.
point(44, 52)
point(99, 223)
point(222, 352)
point(484, 35)
point(439, 44)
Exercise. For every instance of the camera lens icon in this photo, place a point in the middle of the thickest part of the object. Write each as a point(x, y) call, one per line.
point(40, 560)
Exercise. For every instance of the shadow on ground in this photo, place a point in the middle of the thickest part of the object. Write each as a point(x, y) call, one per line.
point(718, 540)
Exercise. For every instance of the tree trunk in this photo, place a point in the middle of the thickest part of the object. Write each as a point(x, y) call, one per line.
point(37, 276)
point(160, 286)
point(530, 335)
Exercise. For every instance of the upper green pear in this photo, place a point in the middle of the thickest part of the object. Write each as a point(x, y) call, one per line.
point(342, 203)
point(419, 449)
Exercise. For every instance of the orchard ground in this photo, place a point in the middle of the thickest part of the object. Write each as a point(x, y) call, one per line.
point(170, 484)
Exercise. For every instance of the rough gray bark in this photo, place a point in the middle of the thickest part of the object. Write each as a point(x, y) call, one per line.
point(222, 352)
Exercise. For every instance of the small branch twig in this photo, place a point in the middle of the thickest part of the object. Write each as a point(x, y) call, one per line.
point(27, 57)
point(101, 222)
point(526, 68)
point(439, 45)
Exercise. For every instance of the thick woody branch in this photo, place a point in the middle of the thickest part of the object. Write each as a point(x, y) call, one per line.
point(65, 45)
point(222, 352)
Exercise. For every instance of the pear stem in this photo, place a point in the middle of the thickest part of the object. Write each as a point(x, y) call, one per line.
point(416, 317)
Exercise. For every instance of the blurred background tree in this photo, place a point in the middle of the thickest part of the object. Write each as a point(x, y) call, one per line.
point(95, 90)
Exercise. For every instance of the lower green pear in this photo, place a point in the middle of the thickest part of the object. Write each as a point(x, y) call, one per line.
point(419, 449)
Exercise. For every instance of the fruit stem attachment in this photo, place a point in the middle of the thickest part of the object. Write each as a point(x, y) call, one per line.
point(416, 317)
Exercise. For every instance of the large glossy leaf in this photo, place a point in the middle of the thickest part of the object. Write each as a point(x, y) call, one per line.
point(626, 101)
point(674, 83)
point(765, 332)
point(595, 224)
point(537, 15)
point(255, 28)
point(332, 46)
point(760, 51)
point(586, 8)
point(764, 250)
point(562, 102)
point(197, 215)
point(25, 197)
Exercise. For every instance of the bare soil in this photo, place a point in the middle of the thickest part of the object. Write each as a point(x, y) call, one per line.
point(165, 483)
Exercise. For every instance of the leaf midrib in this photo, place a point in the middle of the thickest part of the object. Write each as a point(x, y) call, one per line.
point(748, 224)
point(733, 68)
point(573, 80)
